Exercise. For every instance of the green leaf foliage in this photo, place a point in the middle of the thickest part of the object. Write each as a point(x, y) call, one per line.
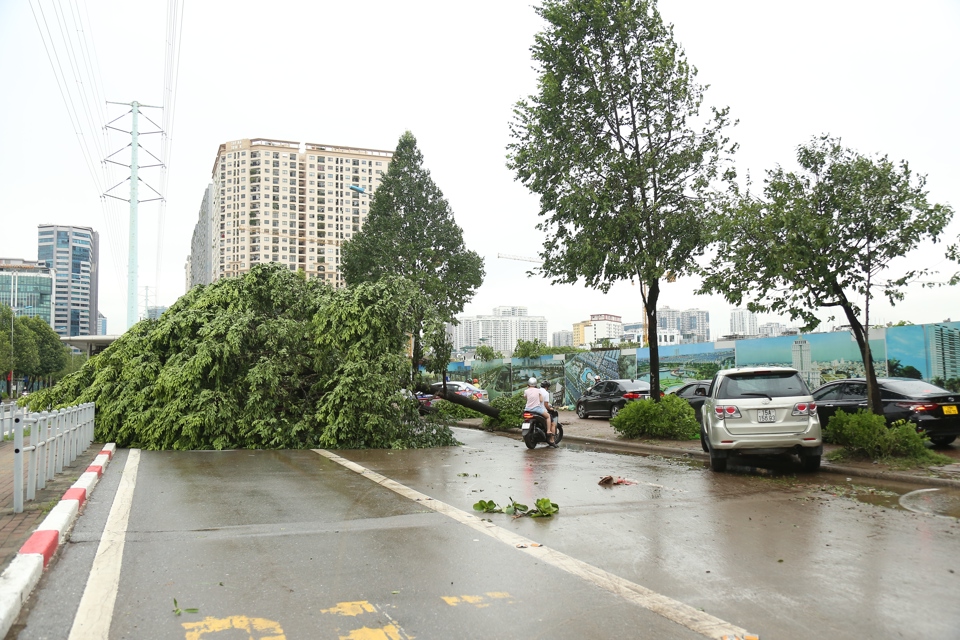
point(672, 418)
point(511, 412)
point(264, 360)
point(411, 232)
point(614, 144)
point(487, 506)
point(451, 411)
point(821, 237)
point(486, 354)
point(866, 434)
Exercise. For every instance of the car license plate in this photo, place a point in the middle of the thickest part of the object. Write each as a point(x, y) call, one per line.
point(949, 409)
point(766, 415)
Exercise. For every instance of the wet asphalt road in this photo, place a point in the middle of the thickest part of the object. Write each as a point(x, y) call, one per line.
point(293, 545)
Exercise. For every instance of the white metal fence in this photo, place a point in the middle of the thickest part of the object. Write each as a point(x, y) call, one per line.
point(56, 438)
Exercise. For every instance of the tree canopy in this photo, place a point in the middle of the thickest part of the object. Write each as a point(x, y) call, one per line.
point(264, 360)
point(615, 146)
point(485, 353)
point(37, 349)
point(410, 232)
point(821, 237)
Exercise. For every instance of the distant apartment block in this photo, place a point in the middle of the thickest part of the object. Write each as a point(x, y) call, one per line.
point(771, 329)
point(155, 312)
point(101, 324)
point(499, 331)
point(74, 254)
point(562, 338)
point(283, 202)
point(743, 322)
point(27, 287)
point(634, 332)
point(692, 325)
point(600, 327)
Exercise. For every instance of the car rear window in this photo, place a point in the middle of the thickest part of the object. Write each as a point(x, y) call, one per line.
point(773, 384)
point(914, 388)
point(635, 385)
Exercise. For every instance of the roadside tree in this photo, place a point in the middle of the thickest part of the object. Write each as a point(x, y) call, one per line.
point(821, 237)
point(410, 232)
point(615, 146)
point(487, 354)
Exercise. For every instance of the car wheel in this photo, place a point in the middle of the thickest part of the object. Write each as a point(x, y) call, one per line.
point(810, 463)
point(942, 441)
point(614, 411)
point(718, 463)
point(581, 412)
point(703, 442)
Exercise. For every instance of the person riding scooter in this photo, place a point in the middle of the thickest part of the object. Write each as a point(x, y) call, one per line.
point(535, 404)
point(545, 395)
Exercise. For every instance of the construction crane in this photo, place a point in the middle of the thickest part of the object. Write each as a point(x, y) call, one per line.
point(507, 256)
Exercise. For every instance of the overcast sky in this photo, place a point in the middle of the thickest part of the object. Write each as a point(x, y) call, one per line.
point(883, 76)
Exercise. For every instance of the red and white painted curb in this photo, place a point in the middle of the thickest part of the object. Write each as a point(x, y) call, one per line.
point(21, 576)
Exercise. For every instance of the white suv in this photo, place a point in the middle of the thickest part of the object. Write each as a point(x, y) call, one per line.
point(760, 411)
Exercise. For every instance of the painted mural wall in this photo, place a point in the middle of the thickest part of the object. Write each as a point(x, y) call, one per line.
point(930, 352)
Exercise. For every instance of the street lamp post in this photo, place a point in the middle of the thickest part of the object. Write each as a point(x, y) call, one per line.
point(13, 314)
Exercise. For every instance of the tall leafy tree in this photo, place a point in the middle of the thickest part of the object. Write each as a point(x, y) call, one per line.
point(25, 352)
point(821, 237)
point(614, 144)
point(411, 232)
point(51, 352)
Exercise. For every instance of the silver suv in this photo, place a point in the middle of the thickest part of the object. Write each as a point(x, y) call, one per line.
point(760, 411)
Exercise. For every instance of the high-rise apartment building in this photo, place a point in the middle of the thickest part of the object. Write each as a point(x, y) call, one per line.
point(204, 244)
point(101, 324)
point(600, 327)
point(695, 325)
point(743, 322)
point(286, 202)
point(563, 338)
point(634, 332)
point(499, 331)
point(74, 254)
point(27, 287)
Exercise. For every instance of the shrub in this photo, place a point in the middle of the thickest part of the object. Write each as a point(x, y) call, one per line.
point(511, 412)
point(453, 411)
point(671, 418)
point(866, 434)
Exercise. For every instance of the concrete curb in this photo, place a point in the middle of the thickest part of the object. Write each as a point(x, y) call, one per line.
point(826, 467)
point(22, 575)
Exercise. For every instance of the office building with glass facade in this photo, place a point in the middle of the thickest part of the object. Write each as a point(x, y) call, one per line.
point(74, 254)
point(27, 287)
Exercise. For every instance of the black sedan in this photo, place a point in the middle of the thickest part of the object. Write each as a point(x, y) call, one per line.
point(607, 398)
point(688, 391)
point(932, 409)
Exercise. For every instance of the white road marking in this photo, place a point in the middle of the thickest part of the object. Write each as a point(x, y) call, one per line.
point(685, 615)
point(95, 613)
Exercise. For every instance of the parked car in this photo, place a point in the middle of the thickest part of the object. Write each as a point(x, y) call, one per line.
point(607, 398)
point(933, 409)
point(463, 389)
point(424, 400)
point(760, 410)
point(688, 391)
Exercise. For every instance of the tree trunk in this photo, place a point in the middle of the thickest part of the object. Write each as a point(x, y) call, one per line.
point(873, 389)
point(651, 311)
point(469, 403)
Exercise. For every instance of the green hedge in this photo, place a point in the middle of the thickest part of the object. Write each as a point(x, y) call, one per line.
point(866, 434)
point(672, 418)
point(511, 412)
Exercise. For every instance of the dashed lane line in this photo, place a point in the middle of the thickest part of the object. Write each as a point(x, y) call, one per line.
point(685, 615)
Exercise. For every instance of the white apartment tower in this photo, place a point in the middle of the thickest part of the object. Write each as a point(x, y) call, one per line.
point(499, 331)
point(743, 322)
point(287, 202)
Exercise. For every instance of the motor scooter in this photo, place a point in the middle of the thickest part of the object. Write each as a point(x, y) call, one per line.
point(534, 429)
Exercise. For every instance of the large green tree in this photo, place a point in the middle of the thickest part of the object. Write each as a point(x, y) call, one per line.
point(25, 352)
point(822, 237)
point(264, 360)
point(410, 232)
point(51, 352)
point(615, 145)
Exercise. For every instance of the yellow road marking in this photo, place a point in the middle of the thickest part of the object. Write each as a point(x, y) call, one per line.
point(259, 626)
point(477, 601)
point(350, 608)
point(683, 614)
point(388, 632)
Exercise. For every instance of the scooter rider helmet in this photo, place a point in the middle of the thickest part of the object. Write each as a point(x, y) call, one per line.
point(532, 382)
point(545, 384)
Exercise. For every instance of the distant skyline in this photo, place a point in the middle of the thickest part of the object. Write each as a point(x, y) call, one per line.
point(879, 77)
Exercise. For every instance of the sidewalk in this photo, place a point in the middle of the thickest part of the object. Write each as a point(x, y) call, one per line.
point(597, 431)
point(15, 528)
